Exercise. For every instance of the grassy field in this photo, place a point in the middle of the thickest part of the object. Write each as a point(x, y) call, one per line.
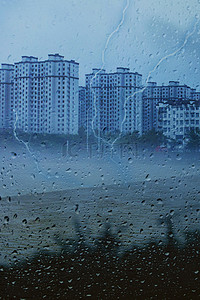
point(100, 226)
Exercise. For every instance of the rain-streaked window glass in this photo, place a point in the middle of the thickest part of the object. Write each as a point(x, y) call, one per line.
point(100, 148)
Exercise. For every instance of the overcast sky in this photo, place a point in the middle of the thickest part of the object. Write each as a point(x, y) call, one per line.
point(79, 30)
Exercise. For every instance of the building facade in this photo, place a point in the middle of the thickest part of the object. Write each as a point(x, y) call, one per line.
point(46, 95)
point(113, 101)
point(153, 95)
point(43, 94)
point(177, 118)
point(82, 108)
point(6, 95)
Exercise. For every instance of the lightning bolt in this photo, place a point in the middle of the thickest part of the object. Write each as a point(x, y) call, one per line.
point(26, 144)
point(146, 81)
point(173, 53)
point(103, 64)
point(149, 75)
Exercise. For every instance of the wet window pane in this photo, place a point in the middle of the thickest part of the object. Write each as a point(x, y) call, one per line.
point(100, 147)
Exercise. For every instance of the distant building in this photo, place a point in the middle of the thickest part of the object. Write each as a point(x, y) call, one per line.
point(44, 97)
point(153, 95)
point(6, 95)
point(113, 101)
point(177, 118)
point(82, 108)
point(46, 94)
point(40, 96)
point(195, 95)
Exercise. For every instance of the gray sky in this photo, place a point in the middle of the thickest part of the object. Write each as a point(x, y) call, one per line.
point(79, 30)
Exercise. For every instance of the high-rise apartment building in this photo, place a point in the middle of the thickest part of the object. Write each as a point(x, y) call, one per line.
point(44, 97)
point(6, 95)
point(113, 101)
point(40, 96)
point(82, 108)
point(46, 94)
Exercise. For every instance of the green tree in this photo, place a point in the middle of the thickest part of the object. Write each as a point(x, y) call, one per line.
point(129, 138)
point(82, 134)
point(153, 138)
point(194, 140)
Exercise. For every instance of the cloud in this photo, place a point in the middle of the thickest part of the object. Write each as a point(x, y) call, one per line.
point(78, 30)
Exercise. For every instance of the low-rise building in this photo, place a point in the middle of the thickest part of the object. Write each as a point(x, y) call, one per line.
point(177, 118)
point(154, 94)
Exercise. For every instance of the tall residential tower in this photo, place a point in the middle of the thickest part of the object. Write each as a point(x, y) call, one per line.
point(113, 101)
point(6, 95)
point(40, 96)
